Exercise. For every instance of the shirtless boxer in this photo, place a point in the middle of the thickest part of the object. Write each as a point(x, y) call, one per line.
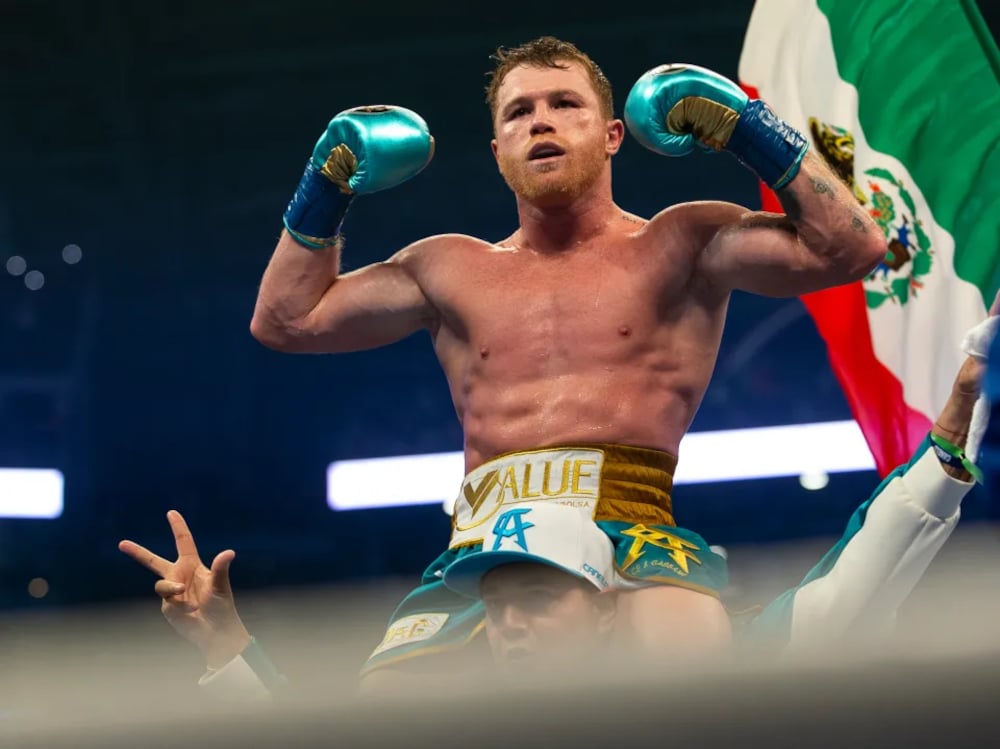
point(548, 581)
point(549, 587)
point(578, 349)
point(550, 584)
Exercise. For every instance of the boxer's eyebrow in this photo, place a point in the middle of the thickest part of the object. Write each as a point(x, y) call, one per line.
point(563, 93)
point(528, 99)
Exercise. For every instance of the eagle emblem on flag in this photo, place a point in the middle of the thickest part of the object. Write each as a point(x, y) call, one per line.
point(898, 278)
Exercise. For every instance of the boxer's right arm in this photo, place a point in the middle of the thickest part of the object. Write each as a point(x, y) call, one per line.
point(304, 304)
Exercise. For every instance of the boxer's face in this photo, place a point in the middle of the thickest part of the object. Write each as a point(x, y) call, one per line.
point(540, 619)
point(553, 142)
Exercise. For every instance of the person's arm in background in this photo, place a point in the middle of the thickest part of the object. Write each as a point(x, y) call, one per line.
point(198, 602)
point(891, 539)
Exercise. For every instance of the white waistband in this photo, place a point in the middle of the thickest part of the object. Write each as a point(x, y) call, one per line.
point(566, 476)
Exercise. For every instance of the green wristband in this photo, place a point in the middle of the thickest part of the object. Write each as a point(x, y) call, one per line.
point(952, 455)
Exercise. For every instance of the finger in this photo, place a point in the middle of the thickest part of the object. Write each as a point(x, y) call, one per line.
point(145, 557)
point(168, 588)
point(173, 606)
point(220, 572)
point(182, 535)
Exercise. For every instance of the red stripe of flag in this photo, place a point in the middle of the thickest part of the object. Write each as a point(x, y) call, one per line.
point(892, 429)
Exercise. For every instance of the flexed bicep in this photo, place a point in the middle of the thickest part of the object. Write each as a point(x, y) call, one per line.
point(362, 309)
point(367, 308)
point(304, 304)
point(763, 253)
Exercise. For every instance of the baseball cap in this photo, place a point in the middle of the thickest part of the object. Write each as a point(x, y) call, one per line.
point(557, 535)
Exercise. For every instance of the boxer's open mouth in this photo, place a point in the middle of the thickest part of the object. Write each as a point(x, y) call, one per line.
point(544, 151)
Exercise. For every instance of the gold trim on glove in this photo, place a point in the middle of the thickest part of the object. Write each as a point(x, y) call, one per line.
point(709, 121)
point(340, 166)
point(317, 243)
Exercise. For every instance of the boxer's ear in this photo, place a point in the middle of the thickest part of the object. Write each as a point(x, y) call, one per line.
point(615, 137)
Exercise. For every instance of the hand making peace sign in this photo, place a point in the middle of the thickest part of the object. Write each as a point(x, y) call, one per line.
point(197, 601)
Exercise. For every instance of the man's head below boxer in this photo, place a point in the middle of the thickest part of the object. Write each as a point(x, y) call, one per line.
point(544, 576)
point(539, 617)
point(553, 121)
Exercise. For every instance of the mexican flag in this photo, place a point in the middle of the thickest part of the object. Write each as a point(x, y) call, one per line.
point(902, 98)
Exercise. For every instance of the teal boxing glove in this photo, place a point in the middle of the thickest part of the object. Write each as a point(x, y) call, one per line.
point(364, 150)
point(673, 108)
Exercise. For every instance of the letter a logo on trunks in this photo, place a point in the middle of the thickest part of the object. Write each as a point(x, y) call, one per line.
point(677, 547)
point(503, 530)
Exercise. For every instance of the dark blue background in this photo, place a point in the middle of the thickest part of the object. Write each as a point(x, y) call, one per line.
point(165, 140)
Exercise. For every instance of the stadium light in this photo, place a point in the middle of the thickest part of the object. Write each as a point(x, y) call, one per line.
point(31, 493)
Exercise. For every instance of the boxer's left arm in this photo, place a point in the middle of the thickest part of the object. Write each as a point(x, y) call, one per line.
point(824, 239)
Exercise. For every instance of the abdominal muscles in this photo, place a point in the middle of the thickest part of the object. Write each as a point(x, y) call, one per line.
point(616, 391)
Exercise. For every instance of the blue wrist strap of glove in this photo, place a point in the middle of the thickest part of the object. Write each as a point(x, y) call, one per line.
point(767, 144)
point(316, 211)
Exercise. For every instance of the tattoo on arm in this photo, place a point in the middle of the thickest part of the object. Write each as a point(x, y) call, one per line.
point(793, 208)
point(822, 188)
point(858, 225)
point(632, 219)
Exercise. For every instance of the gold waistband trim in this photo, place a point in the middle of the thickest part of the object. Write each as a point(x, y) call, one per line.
point(614, 482)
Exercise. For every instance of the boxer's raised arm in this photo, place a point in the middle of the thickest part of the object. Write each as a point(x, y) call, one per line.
point(823, 239)
point(304, 304)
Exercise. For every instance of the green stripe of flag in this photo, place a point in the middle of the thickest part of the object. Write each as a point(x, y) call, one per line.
point(928, 79)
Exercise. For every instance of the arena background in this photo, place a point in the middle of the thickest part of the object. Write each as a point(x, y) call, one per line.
point(164, 140)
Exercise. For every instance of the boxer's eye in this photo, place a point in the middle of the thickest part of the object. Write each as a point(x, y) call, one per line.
point(519, 112)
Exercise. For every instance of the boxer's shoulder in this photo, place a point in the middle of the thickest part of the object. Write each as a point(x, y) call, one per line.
point(438, 247)
point(694, 224)
point(700, 215)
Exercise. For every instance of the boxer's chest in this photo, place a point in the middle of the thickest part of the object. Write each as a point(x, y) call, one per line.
point(536, 305)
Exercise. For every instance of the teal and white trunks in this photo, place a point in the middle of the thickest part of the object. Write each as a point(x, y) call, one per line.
point(625, 490)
